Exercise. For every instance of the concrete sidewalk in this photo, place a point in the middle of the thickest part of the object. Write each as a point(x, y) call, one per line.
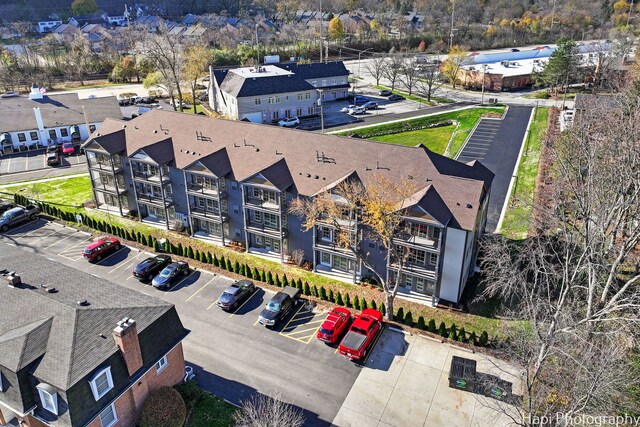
point(405, 383)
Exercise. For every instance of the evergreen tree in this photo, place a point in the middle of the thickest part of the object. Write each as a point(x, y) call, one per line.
point(209, 258)
point(356, 303)
point(285, 281)
point(180, 249)
point(408, 319)
point(236, 267)
point(462, 335)
point(314, 291)
point(339, 300)
point(222, 262)
point(421, 325)
point(363, 303)
point(299, 284)
point(374, 305)
point(278, 283)
point(256, 273)
point(247, 271)
point(331, 297)
point(453, 333)
point(431, 327)
point(216, 261)
point(484, 338)
point(347, 300)
point(400, 314)
point(323, 293)
point(383, 309)
point(306, 289)
point(442, 330)
point(143, 240)
point(472, 338)
point(269, 278)
point(229, 265)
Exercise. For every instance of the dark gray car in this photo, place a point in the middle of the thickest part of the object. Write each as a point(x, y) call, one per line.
point(236, 294)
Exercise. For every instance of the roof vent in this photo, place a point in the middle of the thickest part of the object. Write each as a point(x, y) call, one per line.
point(469, 206)
point(124, 126)
point(155, 131)
point(317, 177)
point(52, 290)
point(83, 303)
point(308, 175)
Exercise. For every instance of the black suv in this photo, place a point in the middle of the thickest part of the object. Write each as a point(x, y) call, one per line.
point(236, 294)
point(5, 206)
point(151, 266)
point(279, 306)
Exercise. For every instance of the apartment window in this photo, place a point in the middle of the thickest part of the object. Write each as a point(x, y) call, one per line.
point(257, 101)
point(324, 82)
point(433, 259)
point(48, 397)
point(234, 185)
point(314, 83)
point(325, 234)
point(21, 137)
point(101, 383)
point(334, 81)
point(342, 263)
point(419, 230)
point(436, 233)
point(52, 134)
point(270, 100)
point(275, 115)
point(161, 364)
point(299, 97)
point(417, 257)
point(299, 111)
point(64, 132)
point(92, 128)
point(34, 136)
point(277, 99)
point(309, 110)
point(259, 240)
point(237, 232)
point(307, 95)
point(108, 416)
point(287, 113)
point(257, 216)
point(325, 258)
point(270, 220)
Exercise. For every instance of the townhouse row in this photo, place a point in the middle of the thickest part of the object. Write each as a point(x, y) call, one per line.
point(227, 181)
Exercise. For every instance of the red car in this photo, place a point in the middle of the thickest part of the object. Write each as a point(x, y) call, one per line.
point(68, 148)
point(362, 335)
point(334, 325)
point(101, 247)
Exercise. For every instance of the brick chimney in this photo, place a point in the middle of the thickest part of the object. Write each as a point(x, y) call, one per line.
point(126, 338)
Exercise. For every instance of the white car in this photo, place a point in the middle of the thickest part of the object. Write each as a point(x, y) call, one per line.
point(289, 122)
point(347, 108)
point(357, 110)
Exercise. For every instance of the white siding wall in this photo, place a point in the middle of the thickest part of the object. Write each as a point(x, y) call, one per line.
point(452, 270)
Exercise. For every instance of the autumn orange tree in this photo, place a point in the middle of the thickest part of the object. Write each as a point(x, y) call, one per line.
point(377, 208)
point(451, 66)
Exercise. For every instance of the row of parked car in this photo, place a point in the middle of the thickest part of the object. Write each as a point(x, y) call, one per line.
point(361, 103)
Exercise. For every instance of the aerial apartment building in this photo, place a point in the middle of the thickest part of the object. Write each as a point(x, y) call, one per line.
point(229, 181)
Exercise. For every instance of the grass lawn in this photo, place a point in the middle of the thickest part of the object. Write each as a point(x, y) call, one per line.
point(518, 216)
point(71, 192)
point(199, 109)
point(436, 139)
point(210, 411)
point(466, 118)
point(90, 86)
point(418, 98)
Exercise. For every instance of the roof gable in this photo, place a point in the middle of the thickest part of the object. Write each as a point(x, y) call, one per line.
point(276, 175)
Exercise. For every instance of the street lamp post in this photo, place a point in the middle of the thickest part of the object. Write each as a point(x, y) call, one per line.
point(484, 72)
point(321, 111)
point(359, 54)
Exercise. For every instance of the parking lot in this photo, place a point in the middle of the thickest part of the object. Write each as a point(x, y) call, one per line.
point(36, 160)
point(233, 354)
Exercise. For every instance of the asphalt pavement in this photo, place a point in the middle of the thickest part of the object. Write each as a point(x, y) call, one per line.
point(496, 144)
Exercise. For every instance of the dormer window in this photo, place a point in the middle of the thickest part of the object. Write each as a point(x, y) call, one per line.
point(1, 383)
point(48, 397)
point(101, 383)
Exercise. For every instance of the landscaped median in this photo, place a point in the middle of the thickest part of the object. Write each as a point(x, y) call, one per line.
point(517, 219)
point(225, 259)
point(441, 133)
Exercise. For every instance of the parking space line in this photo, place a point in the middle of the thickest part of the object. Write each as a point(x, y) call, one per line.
point(26, 163)
point(53, 232)
point(183, 279)
point(22, 226)
point(19, 236)
point(293, 317)
point(198, 291)
point(124, 264)
point(241, 305)
point(59, 241)
point(104, 259)
point(294, 332)
point(257, 321)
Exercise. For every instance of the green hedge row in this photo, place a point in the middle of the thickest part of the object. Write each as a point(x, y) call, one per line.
point(339, 298)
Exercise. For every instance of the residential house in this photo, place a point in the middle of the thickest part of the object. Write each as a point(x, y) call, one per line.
point(77, 350)
point(65, 31)
point(39, 120)
point(150, 22)
point(231, 181)
point(269, 93)
point(47, 26)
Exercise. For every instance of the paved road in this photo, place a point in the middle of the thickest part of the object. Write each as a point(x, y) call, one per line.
point(234, 356)
point(496, 143)
point(32, 165)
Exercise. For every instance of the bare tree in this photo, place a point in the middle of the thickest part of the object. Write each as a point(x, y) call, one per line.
point(429, 79)
point(267, 411)
point(376, 67)
point(165, 52)
point(393, 69)
point(409, 75)
point(575, 284)
point(379, 208)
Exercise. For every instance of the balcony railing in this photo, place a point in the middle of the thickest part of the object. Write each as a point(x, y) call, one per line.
point(210, 214)
point(428, 270)
point(141, 175)
point(331, 246)
point(109, 186)
point(205, 190)
point(405, 237)
point(259, 203)
point(155, 199)
point(104, 166)
point(267, 229)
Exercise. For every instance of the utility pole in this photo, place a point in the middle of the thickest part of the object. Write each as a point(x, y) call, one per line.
point(484, 72)
point(321, 21)
point(453, 9)
point(321, 111)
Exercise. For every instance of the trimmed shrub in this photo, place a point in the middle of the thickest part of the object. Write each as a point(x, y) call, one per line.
point(236, 267)
point(472, 338)
point(314, 291)
point(204, 258)
point(285, 281)
point(306, 290)
point(442, 330)
point(400, 314)
point(374, 305)
point(462, 335)
point(209, 258)
point(356, 303)
point(138, 238)
point(453, 332)
point(339, 300)
point(229, 265)
point(484, 338)
point(363, 303)
point(248, 272)
point(408, 319)
point(163, 408)
point(347, 300)
point(156, 246)
point(143, 240)
point(421, 325)
point(216, 261)
point(269, 278)
point(278, 283)
point(223, 262)
point(383, 309)
point(431, 327)
point(180, 250)
point(263, 276)
point(323, 293)
point(256, 273)
point(331, 297)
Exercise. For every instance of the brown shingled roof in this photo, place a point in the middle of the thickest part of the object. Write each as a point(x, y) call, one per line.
point(314, 160)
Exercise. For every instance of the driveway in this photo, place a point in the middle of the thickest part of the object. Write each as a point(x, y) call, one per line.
point(28, 165)
point(406, 383)
point(496, 143)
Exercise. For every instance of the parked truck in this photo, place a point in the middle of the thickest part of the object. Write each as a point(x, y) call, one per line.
point(362, 335)
point(279, 306)
point(17, 216)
